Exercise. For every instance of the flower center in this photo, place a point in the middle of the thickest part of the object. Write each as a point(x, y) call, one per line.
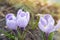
point(44, 26)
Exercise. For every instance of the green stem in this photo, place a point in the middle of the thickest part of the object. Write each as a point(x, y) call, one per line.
point(19, 36)
point(48, 36)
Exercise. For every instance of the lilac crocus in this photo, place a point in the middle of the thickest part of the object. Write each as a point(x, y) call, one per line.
point(46, 24)
point(22, 18)
point(11, 21)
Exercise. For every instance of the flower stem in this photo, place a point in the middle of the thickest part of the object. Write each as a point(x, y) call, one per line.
point(46, 35)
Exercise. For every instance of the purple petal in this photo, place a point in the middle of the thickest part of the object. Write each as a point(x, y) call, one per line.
point(11, 25)
point(22, 22)
point(47, 16)
point(23, 14)
point(49, 28)
point(49, 19)
point(43, 21)
point(41, 27)
point(10, 16)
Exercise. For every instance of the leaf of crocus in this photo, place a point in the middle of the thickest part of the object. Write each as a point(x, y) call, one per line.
point(50, 37)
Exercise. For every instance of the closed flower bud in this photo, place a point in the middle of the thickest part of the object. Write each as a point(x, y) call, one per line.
point(11, 21)
point(22, 18)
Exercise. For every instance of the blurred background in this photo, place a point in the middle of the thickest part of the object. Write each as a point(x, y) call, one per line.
point(34, 7)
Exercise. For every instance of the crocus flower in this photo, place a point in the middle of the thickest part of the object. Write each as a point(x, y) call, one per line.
point(22, 18)
point(11, 21)
point(46, 24)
